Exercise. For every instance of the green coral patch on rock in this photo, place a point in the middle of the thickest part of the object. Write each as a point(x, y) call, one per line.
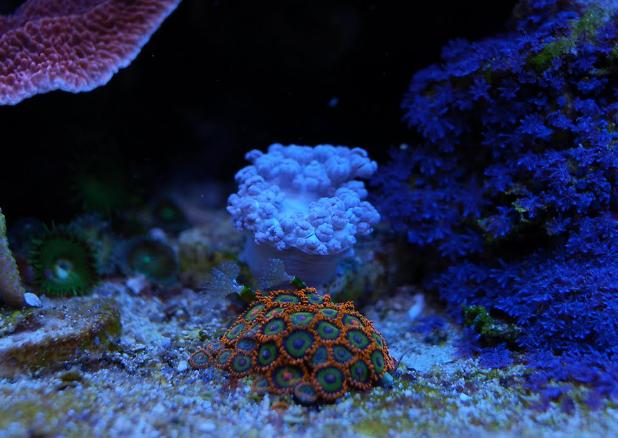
point(492, 330)
point(64, 262)
point(152, 258)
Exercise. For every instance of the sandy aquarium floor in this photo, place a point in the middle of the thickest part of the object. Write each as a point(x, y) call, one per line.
point(140, 385)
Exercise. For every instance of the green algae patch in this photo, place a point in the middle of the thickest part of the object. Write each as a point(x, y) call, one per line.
point(375, 427)
point(46, 414)
point(13, 320)
point(65, 331)
point(388, 411)
point(584, 28)
point(492, 330)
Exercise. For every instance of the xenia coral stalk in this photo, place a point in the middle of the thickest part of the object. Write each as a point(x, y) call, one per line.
point(11, 290)
point(514, 181)
point(72, 45)
point(303, 205)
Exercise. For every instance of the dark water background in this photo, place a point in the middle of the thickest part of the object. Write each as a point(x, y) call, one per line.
point(222, 77)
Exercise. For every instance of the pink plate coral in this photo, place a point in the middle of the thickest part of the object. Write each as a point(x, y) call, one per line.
point(72, 45)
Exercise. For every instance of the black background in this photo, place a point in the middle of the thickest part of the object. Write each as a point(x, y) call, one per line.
point(222, 77)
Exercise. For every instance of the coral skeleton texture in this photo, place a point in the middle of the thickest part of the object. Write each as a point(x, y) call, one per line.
point(72, 45)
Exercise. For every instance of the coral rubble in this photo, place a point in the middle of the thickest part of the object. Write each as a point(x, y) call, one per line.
point(202, 248)
point(47, 338)
point(146, 373)
point(299, 342)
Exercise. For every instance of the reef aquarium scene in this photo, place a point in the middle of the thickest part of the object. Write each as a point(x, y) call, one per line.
point(326, 218)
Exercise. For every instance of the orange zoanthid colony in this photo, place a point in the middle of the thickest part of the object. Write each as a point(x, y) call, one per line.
point(299, 342)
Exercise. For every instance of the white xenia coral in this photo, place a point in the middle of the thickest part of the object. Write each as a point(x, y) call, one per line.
point(305, 198)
